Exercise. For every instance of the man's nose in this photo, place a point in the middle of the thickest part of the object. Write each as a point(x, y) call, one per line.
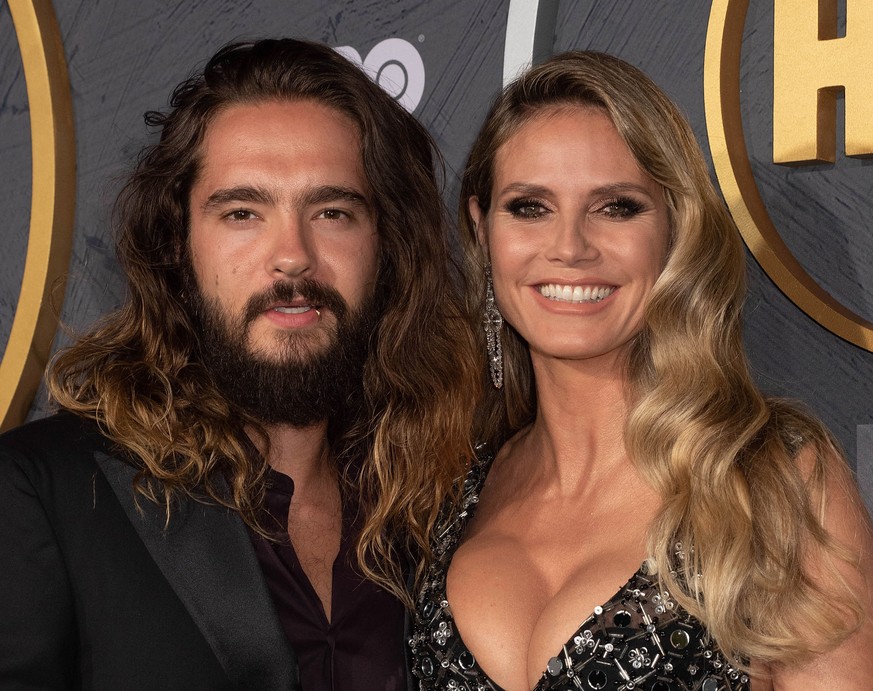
point(292, 252)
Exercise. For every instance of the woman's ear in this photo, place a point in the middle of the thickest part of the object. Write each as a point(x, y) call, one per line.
point(478, 218)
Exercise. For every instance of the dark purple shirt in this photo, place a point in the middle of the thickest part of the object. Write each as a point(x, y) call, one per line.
point(362, 647)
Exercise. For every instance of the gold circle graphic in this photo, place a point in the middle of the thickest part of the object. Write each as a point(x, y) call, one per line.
point(724, 127)
point(53, 198)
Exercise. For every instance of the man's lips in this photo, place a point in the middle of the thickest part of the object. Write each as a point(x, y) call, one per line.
point(293, 316)
point(295, 309)
point(306, 300)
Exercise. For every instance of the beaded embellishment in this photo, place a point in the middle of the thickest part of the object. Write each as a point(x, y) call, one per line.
point(640, 640)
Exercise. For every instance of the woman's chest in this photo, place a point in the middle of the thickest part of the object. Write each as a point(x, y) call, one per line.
point(515, 601)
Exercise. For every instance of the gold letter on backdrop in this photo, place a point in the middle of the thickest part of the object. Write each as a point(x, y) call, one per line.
point(53, 198)
point(724, 126)
point(810, 67)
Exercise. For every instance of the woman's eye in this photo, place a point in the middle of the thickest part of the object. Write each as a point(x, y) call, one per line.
point(526, 208)
point(623, 207)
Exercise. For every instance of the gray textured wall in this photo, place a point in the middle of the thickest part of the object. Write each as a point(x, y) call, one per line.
point(124, 57)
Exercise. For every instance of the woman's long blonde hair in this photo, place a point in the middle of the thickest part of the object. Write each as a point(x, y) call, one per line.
point(721, 455)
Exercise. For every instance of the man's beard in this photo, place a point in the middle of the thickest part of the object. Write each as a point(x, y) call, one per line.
point(301, 382)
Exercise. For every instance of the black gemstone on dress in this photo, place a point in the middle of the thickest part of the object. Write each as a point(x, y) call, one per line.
point(680, 639)
point(466, 660)
point(622, 619)
point(597, 679)
point(426, 666)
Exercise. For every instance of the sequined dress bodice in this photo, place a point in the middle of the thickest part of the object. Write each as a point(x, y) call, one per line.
point(640, 640)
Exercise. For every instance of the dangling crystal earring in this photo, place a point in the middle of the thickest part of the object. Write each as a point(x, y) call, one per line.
point(493, 322)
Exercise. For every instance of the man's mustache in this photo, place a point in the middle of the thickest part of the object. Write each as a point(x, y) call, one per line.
point(315, 293)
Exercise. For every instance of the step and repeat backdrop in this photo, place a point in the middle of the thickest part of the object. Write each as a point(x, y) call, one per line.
point(777, 91)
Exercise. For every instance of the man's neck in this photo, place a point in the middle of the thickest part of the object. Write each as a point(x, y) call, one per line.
point(315, 513)
point(299, 452)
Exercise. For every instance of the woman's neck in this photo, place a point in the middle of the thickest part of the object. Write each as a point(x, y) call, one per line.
point(578, 435)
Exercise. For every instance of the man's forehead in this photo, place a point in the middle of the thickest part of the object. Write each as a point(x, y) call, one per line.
point(263, 109)
point(267, 144)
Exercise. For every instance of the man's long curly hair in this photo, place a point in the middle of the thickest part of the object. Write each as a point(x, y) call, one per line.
point(138, 373)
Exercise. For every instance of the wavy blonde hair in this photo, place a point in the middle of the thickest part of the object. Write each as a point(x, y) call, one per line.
point(138, 373)
point(722, 456)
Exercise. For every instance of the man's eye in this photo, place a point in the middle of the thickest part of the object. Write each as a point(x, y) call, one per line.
point(333, 214)
point(240, 215)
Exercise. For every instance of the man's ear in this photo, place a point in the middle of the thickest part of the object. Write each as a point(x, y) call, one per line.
point(478, 218)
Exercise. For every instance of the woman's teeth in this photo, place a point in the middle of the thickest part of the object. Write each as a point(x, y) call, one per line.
point(561, 293)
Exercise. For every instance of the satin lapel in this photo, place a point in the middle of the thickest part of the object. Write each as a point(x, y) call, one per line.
point(206, 556)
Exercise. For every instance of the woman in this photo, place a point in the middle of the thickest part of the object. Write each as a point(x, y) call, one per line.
point(627, 428)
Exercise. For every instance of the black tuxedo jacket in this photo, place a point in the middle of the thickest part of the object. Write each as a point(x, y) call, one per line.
point(96, 592)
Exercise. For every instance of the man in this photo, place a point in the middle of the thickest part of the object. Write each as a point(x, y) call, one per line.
point(255, 428)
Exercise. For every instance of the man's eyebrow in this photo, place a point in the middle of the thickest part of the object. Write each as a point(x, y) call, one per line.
point(244, 194)
point(333, 193)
